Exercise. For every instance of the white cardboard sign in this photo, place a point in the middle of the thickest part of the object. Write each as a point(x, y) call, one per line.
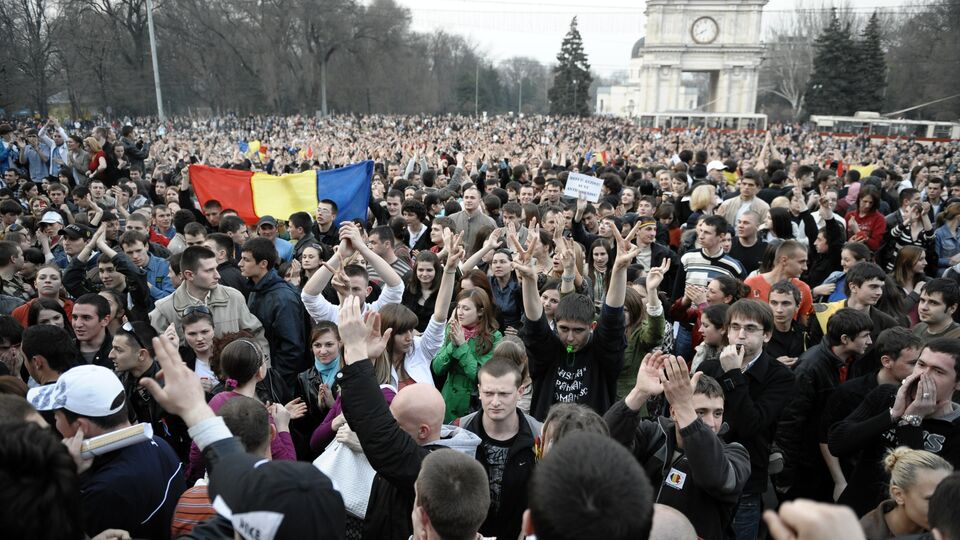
point(583, 187)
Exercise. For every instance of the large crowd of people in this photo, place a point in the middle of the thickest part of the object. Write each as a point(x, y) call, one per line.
point(745, 335)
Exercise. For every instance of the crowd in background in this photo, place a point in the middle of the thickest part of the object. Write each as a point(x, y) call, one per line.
point(740, 322)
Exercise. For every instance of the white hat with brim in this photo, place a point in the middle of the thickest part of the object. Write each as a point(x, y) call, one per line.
point(52, 217)
point(89, 390)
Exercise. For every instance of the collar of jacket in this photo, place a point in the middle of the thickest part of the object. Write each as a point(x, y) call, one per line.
point(181, 300)
point(268, 281)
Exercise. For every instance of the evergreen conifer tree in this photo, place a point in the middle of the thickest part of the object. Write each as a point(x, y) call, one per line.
point(872, 67)
point(569, 94)
point(834, 82)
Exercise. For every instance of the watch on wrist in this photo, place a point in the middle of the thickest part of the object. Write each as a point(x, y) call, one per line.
point(910, 420)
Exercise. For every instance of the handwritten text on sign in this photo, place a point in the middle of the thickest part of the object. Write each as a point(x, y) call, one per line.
point(584, 187)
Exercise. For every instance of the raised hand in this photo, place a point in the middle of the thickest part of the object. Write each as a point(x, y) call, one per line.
point(376, 341)
point(657, 273)
point(648, 380)
point(678, 387)
point(182, 394)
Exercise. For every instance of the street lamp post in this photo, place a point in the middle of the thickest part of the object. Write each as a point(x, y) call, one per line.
point(153, 55)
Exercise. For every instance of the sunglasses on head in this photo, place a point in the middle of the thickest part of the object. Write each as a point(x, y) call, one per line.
point(128, 328)
point(199, 308)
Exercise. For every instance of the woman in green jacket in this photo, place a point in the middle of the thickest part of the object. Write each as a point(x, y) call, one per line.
point(471, 336)
point(645, 325)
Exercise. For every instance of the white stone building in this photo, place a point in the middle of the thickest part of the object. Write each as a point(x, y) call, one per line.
point(701, 55)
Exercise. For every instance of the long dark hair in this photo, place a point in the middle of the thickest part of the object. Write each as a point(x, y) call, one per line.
point(41, 304)
point(781, 223)
point(413, 283)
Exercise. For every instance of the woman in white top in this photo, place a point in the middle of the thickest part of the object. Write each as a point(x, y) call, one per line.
point(410, 355)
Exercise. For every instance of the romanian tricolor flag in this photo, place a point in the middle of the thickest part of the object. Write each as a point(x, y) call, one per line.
point(256, 194)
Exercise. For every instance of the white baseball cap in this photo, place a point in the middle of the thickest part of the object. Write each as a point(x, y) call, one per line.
point(52, 217)
point(88, 390)
point(715, 165)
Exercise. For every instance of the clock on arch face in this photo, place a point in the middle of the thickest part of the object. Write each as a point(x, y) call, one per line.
point(704, 30)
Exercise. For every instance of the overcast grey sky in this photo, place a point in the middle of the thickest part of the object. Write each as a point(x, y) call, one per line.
point(535, 28)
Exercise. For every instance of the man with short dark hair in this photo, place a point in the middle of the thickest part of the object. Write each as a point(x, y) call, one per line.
point(898, 350)
point(134, 488)
point(249, 422)
point(48, 352)
point(278, 306)
point(789, 263)
point(789, 339)
point(864, 287)
point(451, 497)
point(136, 246)
point(732, 208)
point(819, 371)
point(91, 315)
point(222, 247)
point(696, 472)
point(418, 228)
point(115, 271)
point(919, 413)
point(382, 242)
point(942, 511)
point(506, 449)
point(572, 365)
point(325, 229)
point(606, 496)
point(236, 229)
point(756, 390)
point(938, 305)
point(299, 226)
point(11, 261)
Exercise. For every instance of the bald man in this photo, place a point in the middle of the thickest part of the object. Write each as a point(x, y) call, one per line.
point(670, 524)
point(395, 440)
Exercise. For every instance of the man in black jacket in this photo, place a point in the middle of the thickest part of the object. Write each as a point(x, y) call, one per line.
point(819, 371)
point(920, 414)
point(573, 365)
point(395, 439)
point(278, 306)
point(695, 471)
point(756, 389)
point(506, 449)
point(898, 350)
point(222, 247)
